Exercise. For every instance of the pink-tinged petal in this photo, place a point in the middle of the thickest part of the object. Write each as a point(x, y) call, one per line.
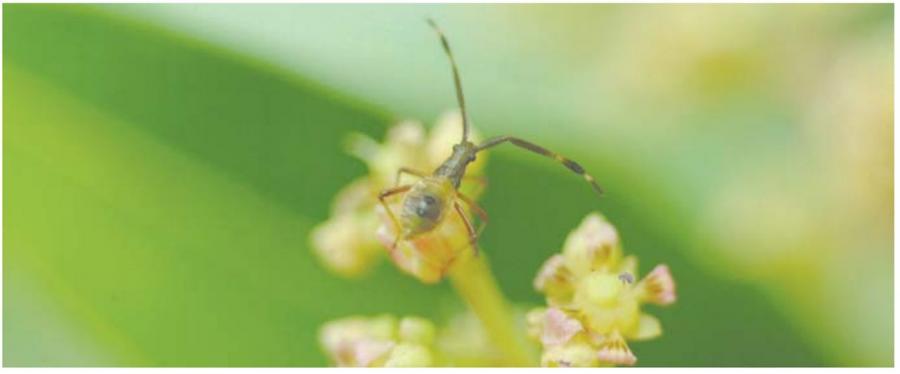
point(366, 352)
point(549, 272)
point(600, 233)
point(559, 328)
point(385, 235)
point(613, 350)
point(658, 287)
point(553, 275)
point(345, 244)
point(555, 280)
point(593, 245)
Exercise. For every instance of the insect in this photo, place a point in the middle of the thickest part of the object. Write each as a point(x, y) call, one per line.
point(427, 201)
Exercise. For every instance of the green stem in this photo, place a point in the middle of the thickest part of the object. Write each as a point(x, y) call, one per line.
point(474, 282)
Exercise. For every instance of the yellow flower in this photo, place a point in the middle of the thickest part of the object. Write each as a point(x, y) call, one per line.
point(348, 242)
point(345, 243)
point(381, 341)
point(594, 303)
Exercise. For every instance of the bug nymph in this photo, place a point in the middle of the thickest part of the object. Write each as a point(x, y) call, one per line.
point(428, 201)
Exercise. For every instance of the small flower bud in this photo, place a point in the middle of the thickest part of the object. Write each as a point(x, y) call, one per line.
point(593, 246)
point(409, 355)
point(534, 320)
point(357, 341)
point(403, 147)
point(370, 352)
point(344, 243)
point(559, 328)
point(378, 341)
point(416, 330)
point(555, 280)
point(342, 247)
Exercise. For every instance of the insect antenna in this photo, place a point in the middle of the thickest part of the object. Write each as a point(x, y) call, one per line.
point(456, 80)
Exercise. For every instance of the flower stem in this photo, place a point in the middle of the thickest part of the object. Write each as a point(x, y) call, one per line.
point(474, 282)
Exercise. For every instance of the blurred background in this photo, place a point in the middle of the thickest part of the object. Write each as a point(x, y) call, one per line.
point(163, 165)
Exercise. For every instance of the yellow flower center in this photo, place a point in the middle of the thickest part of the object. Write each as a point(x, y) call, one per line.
point(601, 288)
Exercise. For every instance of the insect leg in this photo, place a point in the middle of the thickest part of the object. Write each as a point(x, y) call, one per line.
point(409, 171)
point(473, 237)
point(381, 198)
point(571, 165)
point(482, 215)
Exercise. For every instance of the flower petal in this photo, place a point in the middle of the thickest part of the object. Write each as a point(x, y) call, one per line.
point(356, 197)
point(559, 328)
point(357, 341)
point(648, 327)
point(614, 350)
point(555, 280)
point(594, 245)
point(404, 146)
point(345, 244)
point(658, 287)
point(367, 352)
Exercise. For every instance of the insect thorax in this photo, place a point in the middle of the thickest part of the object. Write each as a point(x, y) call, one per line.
point(454, 168)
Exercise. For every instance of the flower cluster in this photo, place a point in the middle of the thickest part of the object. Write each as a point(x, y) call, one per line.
point(357, 232)
point(381, 341)
point(594, 301)
point(594, 304)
